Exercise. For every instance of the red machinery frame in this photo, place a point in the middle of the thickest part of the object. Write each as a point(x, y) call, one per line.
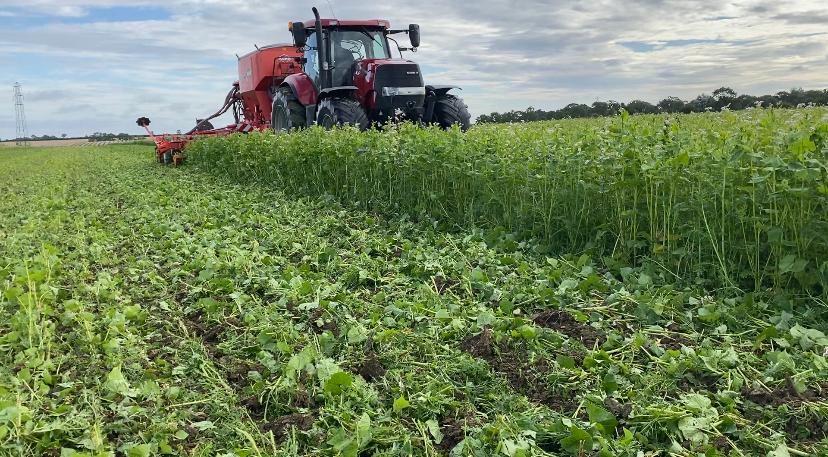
point(250, 98)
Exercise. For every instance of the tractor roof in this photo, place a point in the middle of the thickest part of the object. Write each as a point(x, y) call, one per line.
point(374, 23)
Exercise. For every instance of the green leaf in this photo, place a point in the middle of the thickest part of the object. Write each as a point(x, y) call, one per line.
point(696, 402)
point(338, 382)
point(116, 383)
point(434, 429)
point(478, 276)
point(599, 415)
point(140, 450)
point(357, 334)
point(204, 425)
point(609, 383)
point(567, 284)
point(780, 451)
point(792, 264)
point(343, 442)
point(400, 404)
point(364, 433)
point(693, 429)
point(565, 361)
point(578, 442)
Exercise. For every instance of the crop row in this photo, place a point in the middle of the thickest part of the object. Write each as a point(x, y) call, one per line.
point(733, 200)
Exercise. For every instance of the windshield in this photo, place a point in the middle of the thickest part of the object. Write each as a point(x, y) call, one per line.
point(360, 44)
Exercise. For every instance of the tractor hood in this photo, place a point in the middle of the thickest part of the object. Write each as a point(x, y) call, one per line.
point(389, 86)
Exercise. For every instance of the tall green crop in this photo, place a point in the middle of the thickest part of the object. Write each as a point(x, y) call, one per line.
point(740, 199)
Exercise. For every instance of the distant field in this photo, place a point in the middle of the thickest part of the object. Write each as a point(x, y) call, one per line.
point(66, 142)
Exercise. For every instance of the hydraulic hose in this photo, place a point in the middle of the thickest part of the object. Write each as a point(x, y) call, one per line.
point(229, 101)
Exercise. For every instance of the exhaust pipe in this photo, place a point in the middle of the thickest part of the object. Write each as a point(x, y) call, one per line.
point(325, 69)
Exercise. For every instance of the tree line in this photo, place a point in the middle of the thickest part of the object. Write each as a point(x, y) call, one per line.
point(97, 136)
point(723, 98)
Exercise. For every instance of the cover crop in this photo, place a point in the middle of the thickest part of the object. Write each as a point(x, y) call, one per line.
point(726, 199)
point(159, 311)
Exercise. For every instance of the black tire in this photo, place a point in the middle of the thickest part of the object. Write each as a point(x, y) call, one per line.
point(340, 111)
point(203, 126)
point(287, 114)
point(450, 110)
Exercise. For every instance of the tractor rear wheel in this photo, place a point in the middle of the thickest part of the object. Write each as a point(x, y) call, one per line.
point(450, 110)
point(340, 111)
point(288, 114)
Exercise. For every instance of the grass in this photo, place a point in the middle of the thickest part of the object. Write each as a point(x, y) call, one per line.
point(155, 310)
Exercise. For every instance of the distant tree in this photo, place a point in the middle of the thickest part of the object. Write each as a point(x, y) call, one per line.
point(63, 135)
point(602, 109)
point(700, 104)
point(723, 97)
point(724, 93)
point(671, 105)
point(640, 107)
point(575, 110)
point(743, 101)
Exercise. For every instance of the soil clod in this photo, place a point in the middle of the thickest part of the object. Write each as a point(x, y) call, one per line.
point(281, 426)
point(371, 368)
point(563, 322)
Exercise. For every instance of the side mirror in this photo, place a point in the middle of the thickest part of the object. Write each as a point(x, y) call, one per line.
point(414, 35)
point(300, 36)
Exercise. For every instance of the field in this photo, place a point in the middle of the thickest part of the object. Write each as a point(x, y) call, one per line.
point(623, 286)
point(68, 142)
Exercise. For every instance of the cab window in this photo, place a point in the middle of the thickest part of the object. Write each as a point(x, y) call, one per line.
point(312, 63)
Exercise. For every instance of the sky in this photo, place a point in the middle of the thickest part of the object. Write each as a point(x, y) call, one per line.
point(96, 65)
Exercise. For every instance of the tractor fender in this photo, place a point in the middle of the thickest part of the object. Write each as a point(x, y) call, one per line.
point(338, 90)
point(302, 87)
point(441, 90)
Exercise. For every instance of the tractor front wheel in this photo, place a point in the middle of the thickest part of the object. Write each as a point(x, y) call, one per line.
point(288, 114)
point(450, 110)
point(340, 111)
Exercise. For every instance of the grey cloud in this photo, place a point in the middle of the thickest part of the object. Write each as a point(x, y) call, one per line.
point(809, 17)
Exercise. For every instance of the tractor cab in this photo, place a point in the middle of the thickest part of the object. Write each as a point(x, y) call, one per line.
point(349, 77)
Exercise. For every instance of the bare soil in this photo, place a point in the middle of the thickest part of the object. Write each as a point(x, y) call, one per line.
point(371, 368)
point(281, 426)
point(527, 377)
point(563, 322)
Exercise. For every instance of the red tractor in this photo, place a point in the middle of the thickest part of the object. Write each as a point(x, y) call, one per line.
point(336, 73)
point(349, 78)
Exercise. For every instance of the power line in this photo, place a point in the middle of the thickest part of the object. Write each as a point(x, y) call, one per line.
point(22, 135)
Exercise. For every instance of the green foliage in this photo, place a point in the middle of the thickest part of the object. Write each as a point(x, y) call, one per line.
point(158, 311)
point(714, 199)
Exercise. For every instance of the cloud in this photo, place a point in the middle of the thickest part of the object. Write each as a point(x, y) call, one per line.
point(177, 66)
point(808, 17)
